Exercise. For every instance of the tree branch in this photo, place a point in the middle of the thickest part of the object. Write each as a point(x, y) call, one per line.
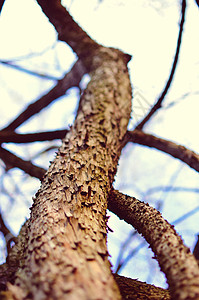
point(175, 259)
point(71, 79)
point(14, 161)
point(178, 151)
point(8, 236)
point(69, 31)
point(132, 289)
point(30, 72)
point(12, 137)
point(1, 5)
point(169, 81)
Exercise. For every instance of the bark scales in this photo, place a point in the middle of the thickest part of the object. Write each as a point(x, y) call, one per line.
point(65, 254)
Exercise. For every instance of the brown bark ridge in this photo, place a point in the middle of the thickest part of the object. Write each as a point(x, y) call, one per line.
point(65, 254)
point(175, 259)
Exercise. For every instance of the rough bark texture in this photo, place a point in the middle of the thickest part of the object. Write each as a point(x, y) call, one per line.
point(175, 259)
point(132, 289)
point(65, 254)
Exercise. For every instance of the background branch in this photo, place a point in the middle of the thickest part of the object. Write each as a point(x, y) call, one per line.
point(178, 151)
point(30, 72)
point(158, 104)
point(71, 79)
point(1, 4)
point(13, 137)
point(13, 161)
point(8, 236)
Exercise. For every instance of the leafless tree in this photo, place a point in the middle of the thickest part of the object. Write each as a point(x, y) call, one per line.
point(61, 252)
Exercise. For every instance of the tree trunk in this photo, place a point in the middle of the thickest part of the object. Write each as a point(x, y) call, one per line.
point(64, 253)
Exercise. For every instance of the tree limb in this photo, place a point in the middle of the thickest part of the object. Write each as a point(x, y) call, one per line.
point(175, 259)
point(178, 151)
point(69, 31)
point(13, 137)
point(132, 289)
point(158, 104)
point(1, 5)
point(14, 161)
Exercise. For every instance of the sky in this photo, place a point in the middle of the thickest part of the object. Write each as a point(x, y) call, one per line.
point(148, 31)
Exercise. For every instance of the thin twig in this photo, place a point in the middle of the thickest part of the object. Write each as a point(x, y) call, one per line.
point(30, 72)
point(158, 104)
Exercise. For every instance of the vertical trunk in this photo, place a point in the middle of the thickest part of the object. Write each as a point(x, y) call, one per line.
point(65, 254)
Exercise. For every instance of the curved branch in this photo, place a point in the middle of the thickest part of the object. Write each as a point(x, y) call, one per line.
point(178, 151)
point(168, 84)
point(175, 259)
point(71, 79)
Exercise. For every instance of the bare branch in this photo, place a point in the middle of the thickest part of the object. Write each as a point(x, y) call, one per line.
point(1, 5)
point(14, 161)
point(130, 255)
point(69, 31)
point(71, 79)
point(178, 151)
point(12, 137)
point(175, 259)
point(4, 229)
point(168, 84)
point(30, 72)
point(8, 236)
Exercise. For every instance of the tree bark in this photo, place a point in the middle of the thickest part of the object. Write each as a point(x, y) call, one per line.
point(132, 289)
point(64, 253)
point(175, 259)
